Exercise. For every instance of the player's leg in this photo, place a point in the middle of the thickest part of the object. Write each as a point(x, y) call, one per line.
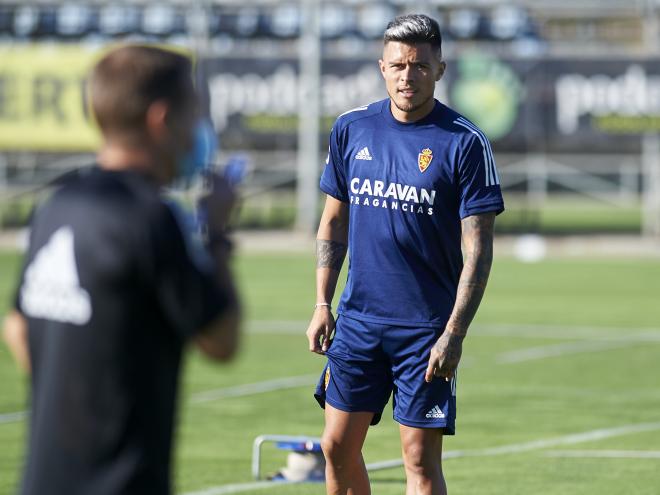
point(354, 388)
point(343, 437)
point(426, 412)
point(422, 459)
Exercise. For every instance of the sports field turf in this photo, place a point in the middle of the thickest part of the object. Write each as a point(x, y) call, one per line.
point(561, 370)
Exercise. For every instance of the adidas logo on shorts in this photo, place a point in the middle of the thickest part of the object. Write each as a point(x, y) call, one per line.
point(435, 413)
point(363, 154)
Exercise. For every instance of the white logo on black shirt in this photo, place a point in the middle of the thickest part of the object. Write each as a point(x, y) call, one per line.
point(51, 287)
point(363, 154)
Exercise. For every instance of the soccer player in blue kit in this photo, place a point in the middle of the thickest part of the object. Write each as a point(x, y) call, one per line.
point(406, 178)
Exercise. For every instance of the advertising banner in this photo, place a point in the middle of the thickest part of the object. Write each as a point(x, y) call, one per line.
point(605, 105)
point(42, 98)
point(254, 103)
point(554, 105)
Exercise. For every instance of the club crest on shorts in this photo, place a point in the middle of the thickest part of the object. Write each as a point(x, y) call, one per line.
point(424, 159)
point(326, 380)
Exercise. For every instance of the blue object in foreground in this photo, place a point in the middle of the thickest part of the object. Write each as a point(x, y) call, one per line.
point(236, 169)
point(308, 446)
point(299, 445)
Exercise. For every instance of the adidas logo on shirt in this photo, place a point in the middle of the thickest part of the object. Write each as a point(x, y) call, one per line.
point(51, 289)
point(363, 154)
point(435, 413)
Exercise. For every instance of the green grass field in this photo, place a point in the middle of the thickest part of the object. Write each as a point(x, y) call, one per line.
point(560, 348)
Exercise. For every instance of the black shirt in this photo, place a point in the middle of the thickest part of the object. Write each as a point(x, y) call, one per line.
point(111, 290)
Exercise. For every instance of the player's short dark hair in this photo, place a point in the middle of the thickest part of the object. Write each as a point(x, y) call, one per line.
point(127, 80)
point(414, 28)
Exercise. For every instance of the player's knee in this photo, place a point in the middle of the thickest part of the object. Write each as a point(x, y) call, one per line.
point(331, 448)
point(422, 461)
point(336, 453)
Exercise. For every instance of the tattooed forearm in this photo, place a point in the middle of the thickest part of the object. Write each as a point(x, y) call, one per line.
point(330, 254)
point(478, 240)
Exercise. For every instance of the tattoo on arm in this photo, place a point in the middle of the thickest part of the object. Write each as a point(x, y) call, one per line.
point(330, 254)
point(478, 237)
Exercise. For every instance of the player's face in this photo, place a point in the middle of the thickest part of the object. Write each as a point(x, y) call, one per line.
point(410, 72)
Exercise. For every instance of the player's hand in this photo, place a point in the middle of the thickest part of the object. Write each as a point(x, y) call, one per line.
point(445, 355)
point(320, 330)
point(218, 203)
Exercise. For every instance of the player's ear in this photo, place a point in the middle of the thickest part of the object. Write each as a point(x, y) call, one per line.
point(156, 120)
point(381, 64)
point(441, 70)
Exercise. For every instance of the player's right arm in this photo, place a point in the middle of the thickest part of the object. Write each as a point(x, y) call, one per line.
point(219, 340)
point(195, 290)
point(331, 247)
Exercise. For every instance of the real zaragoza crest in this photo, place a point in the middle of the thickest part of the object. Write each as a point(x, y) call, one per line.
point(424, 159)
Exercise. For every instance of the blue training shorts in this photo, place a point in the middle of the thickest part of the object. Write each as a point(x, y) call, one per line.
point(368, 361)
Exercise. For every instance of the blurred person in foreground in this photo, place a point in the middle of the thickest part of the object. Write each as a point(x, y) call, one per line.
point(407, 179)
point(112, 289)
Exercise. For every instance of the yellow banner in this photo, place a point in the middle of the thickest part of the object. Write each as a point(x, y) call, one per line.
point(42, 98)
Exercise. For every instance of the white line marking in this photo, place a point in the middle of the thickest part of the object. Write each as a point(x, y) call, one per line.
point(392, 463)
point(606, 454)
point(12, 417)
point(557, 350)
point(549, 328)
point(597, 339)
point(592, 339)
point(587, 436)
point(239, 487)
point(534, 331)
point(218, 393)
point(567, 332)
point(567, 392)
point(253, 388)
point(516, 448)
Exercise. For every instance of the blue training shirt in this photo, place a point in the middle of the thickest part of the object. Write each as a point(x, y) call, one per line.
point(408, 186)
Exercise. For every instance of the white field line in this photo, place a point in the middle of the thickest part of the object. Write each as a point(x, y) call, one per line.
point(590, 339)
point(218, 393)
point(606, 454)
point(533, 331)
point(516, 448)
point(559, 331)
point(568, 392)
point(559, 350)
point(587, 436)
point(239, 487)
point(12, 417)
point(253, 388)
point(575, 334)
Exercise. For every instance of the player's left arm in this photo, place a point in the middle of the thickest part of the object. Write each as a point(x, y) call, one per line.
point(16, 338)
point(477, 235)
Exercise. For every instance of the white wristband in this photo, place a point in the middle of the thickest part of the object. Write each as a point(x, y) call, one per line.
point(318, 305)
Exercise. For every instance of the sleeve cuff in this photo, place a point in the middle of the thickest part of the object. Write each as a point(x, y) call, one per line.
point(479, 209)
point(334, 192)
